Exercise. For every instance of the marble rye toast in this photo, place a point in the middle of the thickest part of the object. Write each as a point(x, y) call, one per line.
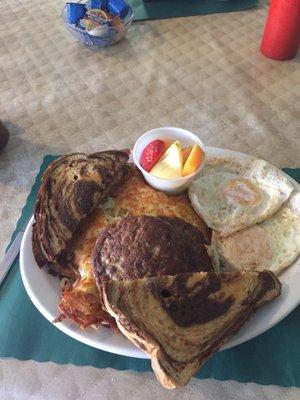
point(72, 186)
point(182, 320)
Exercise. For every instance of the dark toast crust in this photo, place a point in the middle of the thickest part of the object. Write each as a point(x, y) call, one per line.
point(72, 186)
point(37, 251)
point(171, 371)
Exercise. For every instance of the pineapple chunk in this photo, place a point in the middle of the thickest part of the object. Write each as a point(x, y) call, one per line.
point(193, 161)
point(171, 163)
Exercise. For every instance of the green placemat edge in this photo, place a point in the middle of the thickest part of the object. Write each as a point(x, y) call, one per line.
point(239, 358)
point(161, 9)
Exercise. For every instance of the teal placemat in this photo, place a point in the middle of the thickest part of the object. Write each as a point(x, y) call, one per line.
point(271, 358)
point(159, 9)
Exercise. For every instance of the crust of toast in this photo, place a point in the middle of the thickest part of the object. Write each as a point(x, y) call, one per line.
point(72, 187)
point(170, 371)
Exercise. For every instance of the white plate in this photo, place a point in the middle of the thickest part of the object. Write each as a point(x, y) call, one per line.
point(44, 291)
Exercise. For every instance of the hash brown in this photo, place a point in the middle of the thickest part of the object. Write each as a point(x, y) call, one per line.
point(134, 197)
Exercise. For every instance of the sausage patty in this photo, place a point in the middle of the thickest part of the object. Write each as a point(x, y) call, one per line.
point(193, 241)
point(145, 246)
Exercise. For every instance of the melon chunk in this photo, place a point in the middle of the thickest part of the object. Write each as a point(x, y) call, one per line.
point(193, 161)
point(186, 152)
point(171, 163)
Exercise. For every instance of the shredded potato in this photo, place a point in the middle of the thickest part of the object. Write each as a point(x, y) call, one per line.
point(82, 302)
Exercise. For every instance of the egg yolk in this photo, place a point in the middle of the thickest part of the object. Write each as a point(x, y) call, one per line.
point(241, 191)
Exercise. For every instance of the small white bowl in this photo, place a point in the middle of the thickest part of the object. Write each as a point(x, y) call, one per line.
point(169, 186)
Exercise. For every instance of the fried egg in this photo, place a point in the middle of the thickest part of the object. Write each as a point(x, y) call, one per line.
point(232, 194)
point(272, 244)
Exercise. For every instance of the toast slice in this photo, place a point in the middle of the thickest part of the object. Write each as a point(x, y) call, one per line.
point(72, 187)
point(180, 321)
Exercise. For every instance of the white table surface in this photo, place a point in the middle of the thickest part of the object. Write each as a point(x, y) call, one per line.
point(203, 73)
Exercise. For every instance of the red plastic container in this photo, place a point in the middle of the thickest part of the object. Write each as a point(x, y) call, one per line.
point(281, 37)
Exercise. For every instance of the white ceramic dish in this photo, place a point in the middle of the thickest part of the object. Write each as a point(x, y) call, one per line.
point(44, 291)
point(187, 138)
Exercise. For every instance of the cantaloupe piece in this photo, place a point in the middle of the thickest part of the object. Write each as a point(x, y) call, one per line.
point(170, 164)
point(193, 161)
point(186, 152)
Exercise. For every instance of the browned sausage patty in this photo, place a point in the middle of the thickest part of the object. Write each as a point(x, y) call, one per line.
point(138, 247)
point(193, 241)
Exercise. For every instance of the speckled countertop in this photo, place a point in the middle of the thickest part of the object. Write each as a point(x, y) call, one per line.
point(203, 73)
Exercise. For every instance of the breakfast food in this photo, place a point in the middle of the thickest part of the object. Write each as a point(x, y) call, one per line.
point(232, 194)
point(272, 244)
point(152, 153)
point(181, 320)
point(138, 247)
point(186, 151)
point(193, 160)
point(72, 186)
point(194, 241)
point(80, 300)
point(135, 197)
point(168, 160)
point(177, 275)
point(170, 164)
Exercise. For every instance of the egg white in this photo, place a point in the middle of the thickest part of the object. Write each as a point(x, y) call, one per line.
point(272, 244)
point(232, 194)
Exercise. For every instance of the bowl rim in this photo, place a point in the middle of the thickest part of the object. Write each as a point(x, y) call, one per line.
point(192, 135)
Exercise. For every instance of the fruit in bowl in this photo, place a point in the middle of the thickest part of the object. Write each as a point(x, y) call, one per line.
point(167, 159)
point(152, 153)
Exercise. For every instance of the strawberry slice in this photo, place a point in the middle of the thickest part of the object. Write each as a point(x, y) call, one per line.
point(152, 153)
